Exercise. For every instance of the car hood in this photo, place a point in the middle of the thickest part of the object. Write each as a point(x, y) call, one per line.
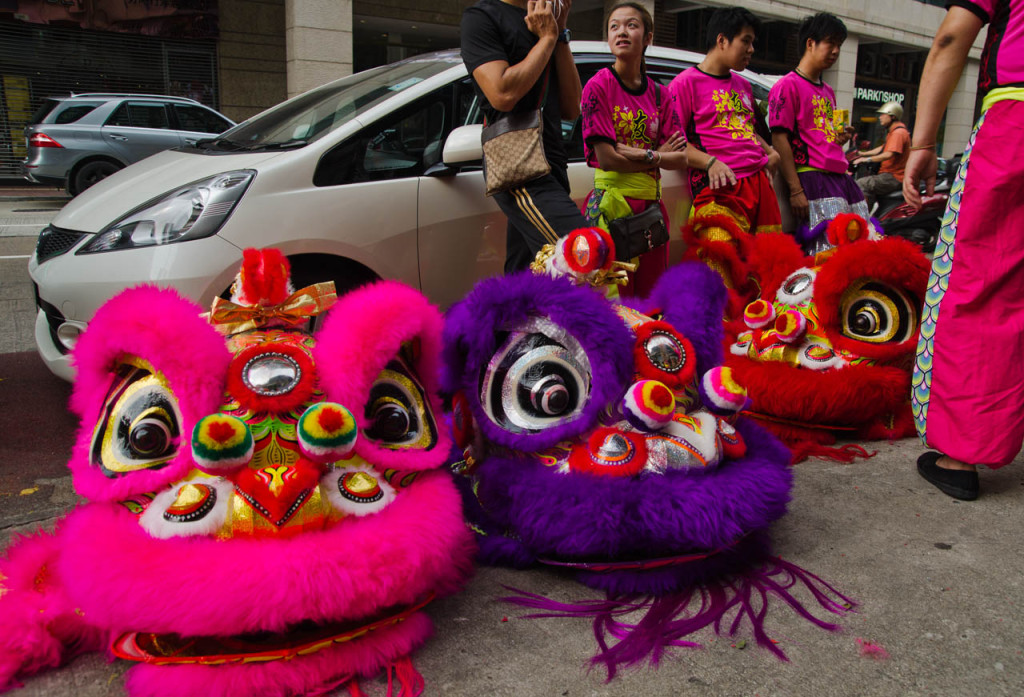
point(109, 200)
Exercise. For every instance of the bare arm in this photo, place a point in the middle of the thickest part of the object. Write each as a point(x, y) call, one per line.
point(797, 198)
point(942, 70)
point(635, 159)
point(503, 84)
point(570, 88)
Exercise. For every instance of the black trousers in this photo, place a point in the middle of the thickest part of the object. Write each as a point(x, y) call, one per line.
point(538, 213)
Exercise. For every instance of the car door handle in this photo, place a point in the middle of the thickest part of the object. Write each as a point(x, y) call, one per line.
point(191, 141)
point(114, 136)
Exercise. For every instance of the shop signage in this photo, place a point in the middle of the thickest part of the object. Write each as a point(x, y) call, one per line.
point(877, 96)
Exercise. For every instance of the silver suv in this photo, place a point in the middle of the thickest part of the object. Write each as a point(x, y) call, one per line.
point(75, 141)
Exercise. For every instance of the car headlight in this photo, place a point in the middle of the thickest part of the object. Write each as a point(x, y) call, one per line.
point(189, 213)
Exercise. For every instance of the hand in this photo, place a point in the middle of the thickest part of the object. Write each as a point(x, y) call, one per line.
point(540, 19)
point(860, 160)
point(921, 165)
point(561, 12)
point(720, 175)
point(773, 161)
point(675, 143)
point(799, 205)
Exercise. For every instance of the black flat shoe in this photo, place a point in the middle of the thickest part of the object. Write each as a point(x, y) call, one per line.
point(960, 484)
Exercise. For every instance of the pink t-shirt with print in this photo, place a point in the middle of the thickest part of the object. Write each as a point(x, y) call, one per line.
point(613, 113)
point(1002, 59)
point(717, 113)
point(804, 110)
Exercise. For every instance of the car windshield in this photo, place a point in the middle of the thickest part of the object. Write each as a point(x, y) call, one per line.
point(318, 112)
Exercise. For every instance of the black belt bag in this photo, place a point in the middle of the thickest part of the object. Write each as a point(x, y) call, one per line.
point(636, 234)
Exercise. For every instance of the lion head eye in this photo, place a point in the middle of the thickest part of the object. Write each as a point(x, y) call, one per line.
point(878, 313)
point(397, 411)
point(139, 427)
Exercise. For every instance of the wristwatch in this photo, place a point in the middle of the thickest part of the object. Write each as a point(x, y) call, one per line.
point(565, 36)
point(649, 156)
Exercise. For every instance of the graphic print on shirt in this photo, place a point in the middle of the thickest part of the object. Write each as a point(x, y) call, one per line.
point(633, 127)
point(734, 113)
point(822, 116)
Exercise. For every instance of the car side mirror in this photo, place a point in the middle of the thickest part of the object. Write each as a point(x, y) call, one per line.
point(463, 146)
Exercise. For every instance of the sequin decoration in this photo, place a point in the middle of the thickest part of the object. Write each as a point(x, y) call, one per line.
point(194, 502)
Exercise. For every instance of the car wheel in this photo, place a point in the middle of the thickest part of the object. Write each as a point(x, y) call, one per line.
point(92, 172)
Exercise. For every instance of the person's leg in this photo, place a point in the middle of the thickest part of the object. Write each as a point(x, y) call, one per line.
point(967, 400)
point(765, 215)
point(539, 213)
point(873, 186)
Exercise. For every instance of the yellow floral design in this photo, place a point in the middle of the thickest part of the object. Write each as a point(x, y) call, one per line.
point(822, 116)
point(631, 127)
point(733, 114)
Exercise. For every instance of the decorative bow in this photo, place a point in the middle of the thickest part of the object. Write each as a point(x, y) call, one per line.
point(230, 318)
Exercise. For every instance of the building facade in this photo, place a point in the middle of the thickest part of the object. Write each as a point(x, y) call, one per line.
point(242, 56)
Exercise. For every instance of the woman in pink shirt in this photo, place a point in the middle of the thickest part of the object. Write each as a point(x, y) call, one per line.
point(629, 134)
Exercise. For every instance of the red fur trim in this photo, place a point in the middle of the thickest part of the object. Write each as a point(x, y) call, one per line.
point(648, 370)
point(580, 459)
point(728, 254)
point(263, 279)
point(855, 396)
point(599, 247)
point(278, 403)
point(893, 261)
point(846, 453)
point(846, 228)
point(773, 256)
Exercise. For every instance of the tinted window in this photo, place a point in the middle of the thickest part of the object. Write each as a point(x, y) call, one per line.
point(139, 115)
point(73, 113)
point(45, 108)
point(404, 144)
point(196, 118)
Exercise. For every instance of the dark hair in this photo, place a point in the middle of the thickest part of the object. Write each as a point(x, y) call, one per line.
point(645, 15)
point(819, 27)
point(730, 22)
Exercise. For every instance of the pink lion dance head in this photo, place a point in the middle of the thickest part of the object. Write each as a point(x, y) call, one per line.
point(266, 513)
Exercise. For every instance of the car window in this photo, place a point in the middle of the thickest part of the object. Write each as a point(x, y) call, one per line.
point(44, 109)
point(196, 118)
point(139, 115)
point(404, 144)
point(74, 112)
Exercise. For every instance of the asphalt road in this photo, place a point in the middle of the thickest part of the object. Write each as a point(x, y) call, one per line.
point(938, 582)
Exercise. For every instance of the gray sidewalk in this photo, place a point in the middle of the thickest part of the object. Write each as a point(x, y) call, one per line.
point(938, 586)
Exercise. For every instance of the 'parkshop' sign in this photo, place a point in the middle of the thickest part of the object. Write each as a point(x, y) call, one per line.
point(879, 96)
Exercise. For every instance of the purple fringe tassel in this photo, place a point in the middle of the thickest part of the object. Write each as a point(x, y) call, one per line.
point(669, 618)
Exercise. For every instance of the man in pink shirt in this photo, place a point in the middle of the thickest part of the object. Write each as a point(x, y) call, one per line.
point(800, 113)
point(730, 165)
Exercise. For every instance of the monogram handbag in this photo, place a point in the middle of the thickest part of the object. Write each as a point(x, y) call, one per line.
point(636, 234)
point(514, 148)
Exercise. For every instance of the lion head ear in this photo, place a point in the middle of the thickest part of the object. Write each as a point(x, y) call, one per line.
point(149, 351)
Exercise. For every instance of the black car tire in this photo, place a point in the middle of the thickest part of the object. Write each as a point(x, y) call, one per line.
point(92, 172)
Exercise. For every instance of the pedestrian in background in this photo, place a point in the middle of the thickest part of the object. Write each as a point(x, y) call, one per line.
point(730, 164)
point(967, 397)
point(517, 53)
point(630, 133)
point(801, 110)
point(893, 154)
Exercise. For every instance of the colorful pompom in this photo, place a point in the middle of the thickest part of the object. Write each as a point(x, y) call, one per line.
point(221, 442)
point(790, 326)
point(758, 314)
point(846, 228)
point(648, 405)
point(610, 453)
point(721, 394)
point(587, 250)
point(327, 432)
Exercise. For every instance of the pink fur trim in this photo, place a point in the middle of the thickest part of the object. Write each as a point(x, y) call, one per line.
point(165, 329)
point(365, 330)
point(41, 628)
point(363, 657)
point(206, 586)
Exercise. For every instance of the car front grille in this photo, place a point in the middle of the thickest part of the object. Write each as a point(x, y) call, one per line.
point(54, 241)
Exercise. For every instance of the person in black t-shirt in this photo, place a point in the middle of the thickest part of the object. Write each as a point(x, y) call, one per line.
point(514, 51)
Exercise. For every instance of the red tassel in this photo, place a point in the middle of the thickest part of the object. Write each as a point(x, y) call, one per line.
point(410, 682)
point(353, 689)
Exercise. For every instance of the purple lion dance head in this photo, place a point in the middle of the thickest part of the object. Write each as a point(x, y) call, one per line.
point(603, 438)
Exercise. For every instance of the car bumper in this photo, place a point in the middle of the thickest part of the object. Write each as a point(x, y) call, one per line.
point(70, 288)
point(30, 173)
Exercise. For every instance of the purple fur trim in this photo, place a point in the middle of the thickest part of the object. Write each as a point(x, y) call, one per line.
point(580, 517)
point(723, 604)
point(693, 299)
point(472, 335)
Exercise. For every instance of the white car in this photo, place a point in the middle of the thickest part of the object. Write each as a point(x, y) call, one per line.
point(374, 175)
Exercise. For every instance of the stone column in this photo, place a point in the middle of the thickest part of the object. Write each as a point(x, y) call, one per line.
point(318, 42)
point(960, 112)
point(843, 74)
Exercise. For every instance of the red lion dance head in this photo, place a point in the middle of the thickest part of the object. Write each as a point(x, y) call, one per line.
point(828, 345)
